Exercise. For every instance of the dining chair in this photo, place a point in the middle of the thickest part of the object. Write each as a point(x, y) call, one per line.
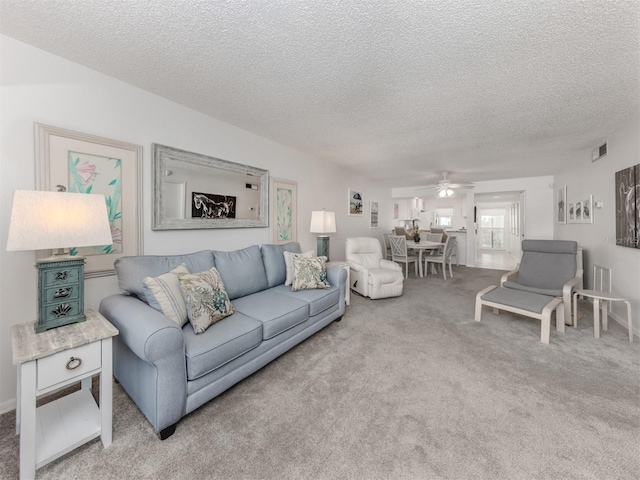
point(386, 245)
point(399, 253)
point(434, 237)
point(441, 258)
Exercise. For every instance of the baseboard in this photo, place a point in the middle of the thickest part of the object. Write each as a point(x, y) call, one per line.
point(6, 407)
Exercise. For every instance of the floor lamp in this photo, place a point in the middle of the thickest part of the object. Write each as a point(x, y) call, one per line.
point(323, 222)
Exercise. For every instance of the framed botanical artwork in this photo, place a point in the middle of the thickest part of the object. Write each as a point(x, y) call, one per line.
point(396, 211)
point(355, 203)
point(84, 163)
point(283, 216)
point(561, 204)
point(373, 211)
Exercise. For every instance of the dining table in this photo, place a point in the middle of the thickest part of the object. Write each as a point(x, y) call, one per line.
point(421, 246)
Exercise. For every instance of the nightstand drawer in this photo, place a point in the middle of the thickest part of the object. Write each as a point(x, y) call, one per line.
point(62, 293)
point(59, 367)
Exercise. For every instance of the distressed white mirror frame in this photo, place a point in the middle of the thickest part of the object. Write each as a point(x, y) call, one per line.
point(161, 154)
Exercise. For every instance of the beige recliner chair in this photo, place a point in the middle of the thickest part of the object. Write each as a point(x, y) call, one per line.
point(371, 275)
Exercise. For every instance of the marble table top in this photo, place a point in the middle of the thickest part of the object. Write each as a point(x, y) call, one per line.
point(27, 345)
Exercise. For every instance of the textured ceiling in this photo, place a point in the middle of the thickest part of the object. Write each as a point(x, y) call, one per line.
point(397, 90)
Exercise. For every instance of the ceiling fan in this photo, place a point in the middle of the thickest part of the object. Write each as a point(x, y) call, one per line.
point(445, 188)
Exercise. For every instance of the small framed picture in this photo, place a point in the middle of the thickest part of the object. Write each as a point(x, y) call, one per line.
point(355, 203)
point(561, 204)
point(373, 211)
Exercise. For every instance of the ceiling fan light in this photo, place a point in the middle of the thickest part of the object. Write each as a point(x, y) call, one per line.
point(442, 193)
point(449, 192)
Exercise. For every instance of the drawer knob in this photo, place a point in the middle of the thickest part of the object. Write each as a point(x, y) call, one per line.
point(73, 363)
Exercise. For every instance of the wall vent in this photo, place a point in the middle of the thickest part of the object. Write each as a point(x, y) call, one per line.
point(599, 152)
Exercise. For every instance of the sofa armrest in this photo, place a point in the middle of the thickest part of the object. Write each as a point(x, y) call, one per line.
point(336, 275)
point(389, 265)
point(505, 277)
point(145, 331)
point(149, 359)
point(355, 266)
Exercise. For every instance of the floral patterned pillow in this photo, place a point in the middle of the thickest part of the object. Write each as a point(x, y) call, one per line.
point(207, 300)
point(309, 273)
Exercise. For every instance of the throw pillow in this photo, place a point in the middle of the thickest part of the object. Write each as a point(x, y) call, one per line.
point(288, 261)
point(207, 300)
point(309, 273)
point(163, 293)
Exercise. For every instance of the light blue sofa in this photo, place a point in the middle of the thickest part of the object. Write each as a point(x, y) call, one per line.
point(170, 371)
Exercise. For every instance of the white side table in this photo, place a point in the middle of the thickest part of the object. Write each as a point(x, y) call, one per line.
point(51, 360)
point(345, 266)
point(600, 301)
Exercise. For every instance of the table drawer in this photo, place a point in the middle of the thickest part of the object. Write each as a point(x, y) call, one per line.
point(59, 368)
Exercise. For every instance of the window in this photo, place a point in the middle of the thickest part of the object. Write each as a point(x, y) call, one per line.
point(444, 216)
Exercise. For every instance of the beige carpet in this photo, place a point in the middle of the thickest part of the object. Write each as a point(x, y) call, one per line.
point(404, 388)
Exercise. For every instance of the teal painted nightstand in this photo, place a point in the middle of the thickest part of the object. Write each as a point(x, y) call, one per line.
point(61, 290)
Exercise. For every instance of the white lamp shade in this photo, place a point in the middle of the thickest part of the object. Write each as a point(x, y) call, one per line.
point(323, 222)
point(43, 220)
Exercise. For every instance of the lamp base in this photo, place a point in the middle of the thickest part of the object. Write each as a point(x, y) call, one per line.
point(60, 292)
point(323, 246)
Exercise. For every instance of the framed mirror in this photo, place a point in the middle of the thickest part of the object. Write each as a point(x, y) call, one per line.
point(192, 191)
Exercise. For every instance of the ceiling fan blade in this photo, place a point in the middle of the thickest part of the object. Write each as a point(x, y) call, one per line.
point(462, 185)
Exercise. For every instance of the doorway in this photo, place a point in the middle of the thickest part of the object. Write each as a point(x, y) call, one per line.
point(491, 228)
point(498, 229)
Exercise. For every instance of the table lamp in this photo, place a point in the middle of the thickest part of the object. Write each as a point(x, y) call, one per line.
point(42, 220)
point(323, 222)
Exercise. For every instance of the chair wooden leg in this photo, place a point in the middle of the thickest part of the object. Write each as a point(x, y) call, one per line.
point(630, 322)
point(444, 270)
point(605, 315)
point(575, 310)
point(450, 271)
point(545, 330)
point(560, 318)
point(596, 317)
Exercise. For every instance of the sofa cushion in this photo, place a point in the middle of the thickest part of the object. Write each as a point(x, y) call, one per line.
point(318, 300)
point(206, 299)
point(242, 271)
point(276, 312)
point(274, 262)
point(288, 261)
point(132, 271)
point(163, 293)
point(309, 274)
point(219, 344)
point(531, 302)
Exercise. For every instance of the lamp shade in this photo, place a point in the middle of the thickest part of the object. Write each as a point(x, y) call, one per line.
point(323, 222)
point(43, 220)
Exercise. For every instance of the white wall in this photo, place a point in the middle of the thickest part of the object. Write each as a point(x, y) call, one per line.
point(598, 239)
point(39, 87)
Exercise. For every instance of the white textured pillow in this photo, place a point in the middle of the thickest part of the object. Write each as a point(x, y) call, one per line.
point(288, 261)
point(163, 293)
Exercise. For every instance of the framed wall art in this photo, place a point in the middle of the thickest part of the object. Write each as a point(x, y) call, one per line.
point(581, 211)
point(355, 203)
point(561, 205)
point(373, 212)
point(84, 163)
point(284, 195)
point(627, 185)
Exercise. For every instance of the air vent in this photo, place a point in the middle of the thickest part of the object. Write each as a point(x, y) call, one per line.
point(599, 152)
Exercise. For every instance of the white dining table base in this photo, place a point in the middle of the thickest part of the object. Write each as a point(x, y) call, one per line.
point(422, 246)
